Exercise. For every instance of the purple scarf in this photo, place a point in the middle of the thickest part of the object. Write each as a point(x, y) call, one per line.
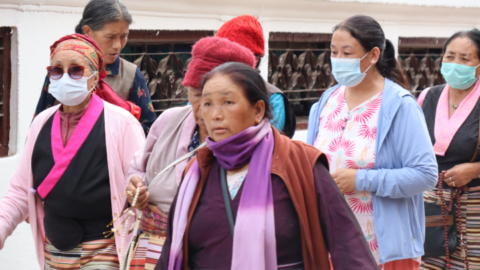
point(254, 243)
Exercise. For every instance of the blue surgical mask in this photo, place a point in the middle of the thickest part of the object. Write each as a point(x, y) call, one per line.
point(459, 76)
point(347, 71)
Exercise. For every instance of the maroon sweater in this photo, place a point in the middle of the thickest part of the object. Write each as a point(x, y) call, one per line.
point(69, 122)
point(210, 240)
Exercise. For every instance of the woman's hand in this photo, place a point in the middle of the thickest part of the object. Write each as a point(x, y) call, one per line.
point(143, 197)
point(462, 174)
point(345, 179)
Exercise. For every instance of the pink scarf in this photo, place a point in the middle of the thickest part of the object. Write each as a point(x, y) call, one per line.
point(64, 155)
point(445, 127)
point(254, 243)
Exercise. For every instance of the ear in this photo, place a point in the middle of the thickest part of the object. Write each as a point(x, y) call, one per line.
point(259, 111)
point(95, 80)
point(87, 30)
point(375, 56)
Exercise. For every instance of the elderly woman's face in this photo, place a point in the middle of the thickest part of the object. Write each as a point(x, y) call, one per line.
point(226, 109)
point(111, 39)
point(195, 97)
point(67, 59)
point(462, 51)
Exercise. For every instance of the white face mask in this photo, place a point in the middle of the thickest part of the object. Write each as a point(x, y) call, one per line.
point(69, 91)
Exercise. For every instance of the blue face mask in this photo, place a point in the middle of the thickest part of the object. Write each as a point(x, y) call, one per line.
point(459, 76)
point(347, 71)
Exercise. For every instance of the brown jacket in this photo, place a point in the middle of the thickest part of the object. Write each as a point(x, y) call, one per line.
point(292, 161)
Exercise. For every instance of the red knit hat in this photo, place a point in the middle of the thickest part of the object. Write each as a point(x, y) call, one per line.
point(245, 30)
point(209, 53)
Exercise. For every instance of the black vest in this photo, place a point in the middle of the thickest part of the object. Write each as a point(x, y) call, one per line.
point(464, 143)
point(78, 208)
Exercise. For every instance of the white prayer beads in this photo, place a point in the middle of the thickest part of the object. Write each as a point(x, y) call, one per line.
point(125, 232)
point(134, 238)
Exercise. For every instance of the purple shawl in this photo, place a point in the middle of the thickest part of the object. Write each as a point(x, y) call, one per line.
point(254, 243)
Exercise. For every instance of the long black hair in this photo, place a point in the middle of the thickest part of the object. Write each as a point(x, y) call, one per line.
point(248, 79)
point(369, 33)
point(473, 35)
point(97, 13)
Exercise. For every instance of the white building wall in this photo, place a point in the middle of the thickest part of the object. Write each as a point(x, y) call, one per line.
point(38, 23)
point(449, 3)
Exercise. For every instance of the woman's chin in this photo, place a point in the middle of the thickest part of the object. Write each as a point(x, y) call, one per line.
point(220, 136)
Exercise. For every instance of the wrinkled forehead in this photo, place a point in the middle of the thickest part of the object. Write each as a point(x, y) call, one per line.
point(222, 85)
point(463, 46)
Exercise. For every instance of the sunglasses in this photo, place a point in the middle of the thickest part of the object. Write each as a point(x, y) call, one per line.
point(75, 72)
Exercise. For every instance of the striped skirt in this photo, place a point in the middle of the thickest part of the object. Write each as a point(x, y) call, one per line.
point(98, 254)
point(470, 205)
point(150, 243)
point(147, 252)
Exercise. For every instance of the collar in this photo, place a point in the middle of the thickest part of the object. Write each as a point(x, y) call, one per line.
point(73, 116)
point(113, 68)
point(392, 97)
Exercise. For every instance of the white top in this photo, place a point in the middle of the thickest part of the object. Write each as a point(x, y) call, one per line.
point(235, 181)
point(348, 139)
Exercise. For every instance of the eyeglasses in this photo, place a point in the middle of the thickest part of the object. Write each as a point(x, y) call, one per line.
point(75, 72)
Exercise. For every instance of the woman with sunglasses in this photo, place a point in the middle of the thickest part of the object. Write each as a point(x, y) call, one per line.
point(107, 23)
point(375, 137)
point(71, 178)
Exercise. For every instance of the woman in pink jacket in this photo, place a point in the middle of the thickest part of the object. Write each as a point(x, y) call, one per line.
point(71, 178)
point(176, 132)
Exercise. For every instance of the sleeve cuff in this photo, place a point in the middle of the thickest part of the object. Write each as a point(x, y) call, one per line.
point(362, 183)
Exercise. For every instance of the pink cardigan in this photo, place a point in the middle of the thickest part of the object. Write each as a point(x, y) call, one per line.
point(171, 133)
point(124, 136)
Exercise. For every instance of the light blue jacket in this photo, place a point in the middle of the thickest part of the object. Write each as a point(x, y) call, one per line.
point(405, 167)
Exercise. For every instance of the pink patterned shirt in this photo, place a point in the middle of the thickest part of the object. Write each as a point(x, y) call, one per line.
point(348, 138)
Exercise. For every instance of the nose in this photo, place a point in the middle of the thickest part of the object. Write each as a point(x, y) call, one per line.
point(199, 112)
point(218, 113)
point(117, 44)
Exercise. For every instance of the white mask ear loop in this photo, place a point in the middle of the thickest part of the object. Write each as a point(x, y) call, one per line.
point(368, 66)
point(364, 56)
point(95, 84)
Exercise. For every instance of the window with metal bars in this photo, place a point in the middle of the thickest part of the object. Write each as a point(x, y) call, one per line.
point(421, 60)
point(163, 57)
point(299, 65)
point(5, 83)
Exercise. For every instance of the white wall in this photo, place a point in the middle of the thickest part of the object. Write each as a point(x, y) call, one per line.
point(457, 3)
point(34, 32)
point(38, 23)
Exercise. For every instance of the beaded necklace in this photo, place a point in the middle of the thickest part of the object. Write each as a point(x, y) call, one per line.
point(126, 255)
point(463, 244)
